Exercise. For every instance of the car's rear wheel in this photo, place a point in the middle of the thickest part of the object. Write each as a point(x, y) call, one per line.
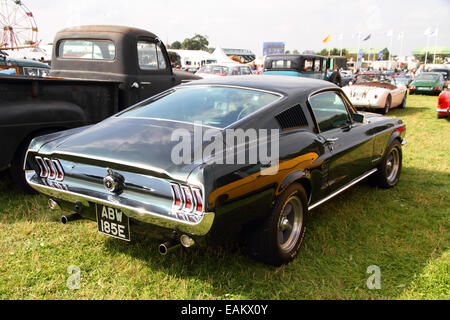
point(387, 105)
point(389, 170)
point(277, 240)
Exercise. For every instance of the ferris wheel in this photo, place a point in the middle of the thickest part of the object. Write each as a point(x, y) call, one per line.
point(18, 28)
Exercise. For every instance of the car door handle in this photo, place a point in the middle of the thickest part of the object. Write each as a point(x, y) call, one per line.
point(331, 141)
point(146, 83)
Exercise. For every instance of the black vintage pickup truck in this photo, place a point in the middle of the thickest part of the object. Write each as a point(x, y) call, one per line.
point(96, 72)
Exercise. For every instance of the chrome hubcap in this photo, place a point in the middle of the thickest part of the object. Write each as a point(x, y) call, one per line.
point(393, 165)
point(290, 223)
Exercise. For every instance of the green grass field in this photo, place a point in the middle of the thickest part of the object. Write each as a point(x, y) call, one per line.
point(404, 231)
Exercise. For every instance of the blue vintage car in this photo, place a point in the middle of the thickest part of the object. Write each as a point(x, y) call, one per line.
point(301, 65)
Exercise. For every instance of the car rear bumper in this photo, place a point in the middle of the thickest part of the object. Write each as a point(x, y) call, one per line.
point(133, 209)
point(444, 112)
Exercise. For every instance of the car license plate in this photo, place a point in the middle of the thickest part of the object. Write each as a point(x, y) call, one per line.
point(424, 89)
point(113, 222)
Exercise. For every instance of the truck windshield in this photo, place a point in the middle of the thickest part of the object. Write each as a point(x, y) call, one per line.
point(213, 106)
point(87, 49)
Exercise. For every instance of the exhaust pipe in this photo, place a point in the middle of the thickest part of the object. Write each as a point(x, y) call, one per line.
point(72, 217)
point(168, 245)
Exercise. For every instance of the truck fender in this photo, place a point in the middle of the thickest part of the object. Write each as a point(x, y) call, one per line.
point(32, 112)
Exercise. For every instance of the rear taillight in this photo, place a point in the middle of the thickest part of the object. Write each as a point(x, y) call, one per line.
point(43, 170)
point(50, 169)
point(187, 199)
point(198, 200)
point(178, 198)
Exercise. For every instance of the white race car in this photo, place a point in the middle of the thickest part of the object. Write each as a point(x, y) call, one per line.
point(376, 91)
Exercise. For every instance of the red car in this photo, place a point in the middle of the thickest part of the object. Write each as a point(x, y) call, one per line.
point(444, 104)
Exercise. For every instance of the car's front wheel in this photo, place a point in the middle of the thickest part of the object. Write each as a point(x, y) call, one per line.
point(277, 240)
point(389, 170)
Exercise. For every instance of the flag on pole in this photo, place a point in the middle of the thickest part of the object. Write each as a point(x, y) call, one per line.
point(427, 32)
point(390, 33)
point(356, 35)
point(380, 55)
point(368, 37)
point(327, 39)
point(360, 54)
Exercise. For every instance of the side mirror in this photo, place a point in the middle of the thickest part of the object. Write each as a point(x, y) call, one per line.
point(359, 118)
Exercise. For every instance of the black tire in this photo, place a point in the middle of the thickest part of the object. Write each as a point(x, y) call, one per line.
point(16, 169)
point(403, 105)
point(387, 106)
point(386, 177)
point(336, 78)
point(272, 242)
point(441, 117)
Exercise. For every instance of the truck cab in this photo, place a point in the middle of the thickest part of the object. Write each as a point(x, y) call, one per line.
point(136, 58)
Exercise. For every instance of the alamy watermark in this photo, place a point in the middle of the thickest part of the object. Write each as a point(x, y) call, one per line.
point(374, 281)
point(74, 281)
point(230, 146)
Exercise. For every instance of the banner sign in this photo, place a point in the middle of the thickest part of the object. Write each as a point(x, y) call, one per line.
point(273, 48)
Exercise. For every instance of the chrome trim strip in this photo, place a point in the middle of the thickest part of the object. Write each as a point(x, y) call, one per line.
point(103, 159)
point(355, 181)
point(200, 228)
point(209, 85)
point(170, 120)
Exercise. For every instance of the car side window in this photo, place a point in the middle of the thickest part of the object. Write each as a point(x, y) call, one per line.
point(150, 56)
point(161, 61)
point(329, 110)
point(308, 65)
point(317, 65)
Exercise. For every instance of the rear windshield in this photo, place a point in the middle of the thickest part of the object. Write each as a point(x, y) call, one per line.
point(212, 69)
point(432, 77)
point(87, 49)
point(282, 64)
point(213, 106)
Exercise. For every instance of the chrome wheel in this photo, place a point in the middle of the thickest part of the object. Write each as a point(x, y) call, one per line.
point(290, 223)
point(392, 165)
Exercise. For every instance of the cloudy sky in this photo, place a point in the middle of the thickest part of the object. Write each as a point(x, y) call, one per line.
point(247, 24)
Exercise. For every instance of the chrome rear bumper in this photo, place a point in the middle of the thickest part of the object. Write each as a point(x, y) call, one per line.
point(133, 209)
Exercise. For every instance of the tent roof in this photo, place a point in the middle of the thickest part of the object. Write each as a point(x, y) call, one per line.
point(221, 56)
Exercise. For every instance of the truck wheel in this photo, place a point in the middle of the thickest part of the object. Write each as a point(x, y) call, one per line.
point(16, 169)
point(389, 170)
point(277, 240)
